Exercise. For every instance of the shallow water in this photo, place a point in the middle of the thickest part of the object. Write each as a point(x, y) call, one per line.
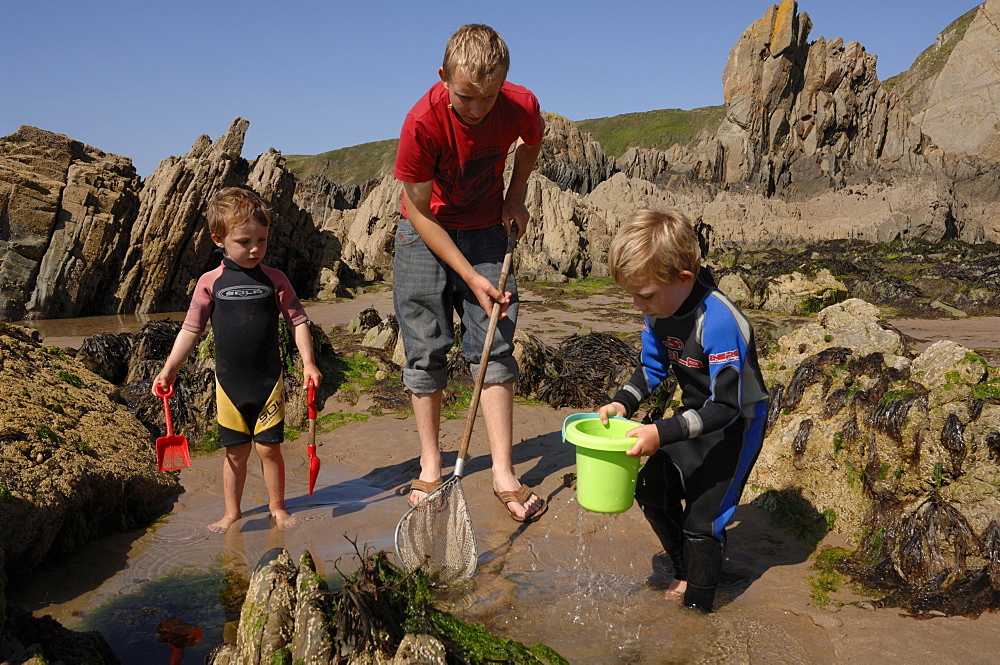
point(124, 585)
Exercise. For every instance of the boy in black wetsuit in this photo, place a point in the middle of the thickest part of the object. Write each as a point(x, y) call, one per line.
point(703, 453)
point(243, 298)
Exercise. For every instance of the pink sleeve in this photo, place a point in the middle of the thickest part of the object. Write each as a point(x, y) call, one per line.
point(288, 302)
point(201, 303)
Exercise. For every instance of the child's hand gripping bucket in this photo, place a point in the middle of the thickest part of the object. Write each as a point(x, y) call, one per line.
point(605, 475)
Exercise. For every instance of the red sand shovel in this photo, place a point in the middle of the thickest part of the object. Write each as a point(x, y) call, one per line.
point(313, 459)
point(179, 636)
point(171, 450)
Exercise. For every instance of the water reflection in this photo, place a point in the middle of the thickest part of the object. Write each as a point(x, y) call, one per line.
point(72, 332)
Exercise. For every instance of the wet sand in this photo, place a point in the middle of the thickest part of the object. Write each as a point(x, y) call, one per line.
point(577, 581)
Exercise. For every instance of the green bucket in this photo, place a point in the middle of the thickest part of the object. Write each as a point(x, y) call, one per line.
point(605, 475)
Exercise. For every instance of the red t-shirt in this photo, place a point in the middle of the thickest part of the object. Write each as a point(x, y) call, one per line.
point(465, 163)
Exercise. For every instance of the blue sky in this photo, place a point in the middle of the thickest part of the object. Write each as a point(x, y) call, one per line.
point(145, 78)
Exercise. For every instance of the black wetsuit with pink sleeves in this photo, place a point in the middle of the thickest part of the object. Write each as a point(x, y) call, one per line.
point(244, 305)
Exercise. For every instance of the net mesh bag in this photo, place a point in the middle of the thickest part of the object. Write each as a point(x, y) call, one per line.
point(437, 534)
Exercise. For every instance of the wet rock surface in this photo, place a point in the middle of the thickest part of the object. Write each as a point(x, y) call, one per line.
point(892, 448)
point(75, 463)
point(914, 278)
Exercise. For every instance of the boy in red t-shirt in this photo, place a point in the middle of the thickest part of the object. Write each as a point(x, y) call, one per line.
point(451, 242)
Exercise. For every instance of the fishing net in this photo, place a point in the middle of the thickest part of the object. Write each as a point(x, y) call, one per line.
point(437, 534)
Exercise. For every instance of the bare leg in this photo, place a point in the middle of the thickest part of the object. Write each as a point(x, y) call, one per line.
point(427, 413)
point(272, 466)
point(234, 477)
point(498, 410)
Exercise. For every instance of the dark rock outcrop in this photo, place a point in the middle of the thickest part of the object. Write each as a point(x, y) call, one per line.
point(66, 210)
point(571, 158)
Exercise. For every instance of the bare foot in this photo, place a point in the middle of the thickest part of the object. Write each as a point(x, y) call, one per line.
point(676, 589)
point(284, 520)
point(223, 525)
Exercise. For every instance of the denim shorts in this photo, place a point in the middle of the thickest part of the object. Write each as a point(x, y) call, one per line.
point(427, 293)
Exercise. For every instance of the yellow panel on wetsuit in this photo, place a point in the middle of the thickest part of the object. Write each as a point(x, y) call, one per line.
point(268, 427)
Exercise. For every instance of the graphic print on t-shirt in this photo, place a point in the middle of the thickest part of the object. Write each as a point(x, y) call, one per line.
point(467, 187)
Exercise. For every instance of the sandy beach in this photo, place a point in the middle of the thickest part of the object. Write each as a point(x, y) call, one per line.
point(586, 584)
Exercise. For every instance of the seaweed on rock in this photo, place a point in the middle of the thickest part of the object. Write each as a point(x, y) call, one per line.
point(584, 370)
point(920, 560)
point(953, 440)
point(371, 613)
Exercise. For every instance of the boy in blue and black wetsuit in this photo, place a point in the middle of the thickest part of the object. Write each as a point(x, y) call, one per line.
point(703, 453)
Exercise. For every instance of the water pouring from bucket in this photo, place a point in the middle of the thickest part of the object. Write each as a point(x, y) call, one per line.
point(605, 474)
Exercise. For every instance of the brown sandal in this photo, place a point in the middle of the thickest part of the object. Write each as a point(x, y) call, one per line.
point(521, 496)
point(425, 486)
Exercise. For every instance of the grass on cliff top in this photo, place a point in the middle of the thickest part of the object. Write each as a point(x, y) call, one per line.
point(347, 166)
point(929, 64)
point(652, 129)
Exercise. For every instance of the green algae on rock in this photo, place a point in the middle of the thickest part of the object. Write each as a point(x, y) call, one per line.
point(290, 615)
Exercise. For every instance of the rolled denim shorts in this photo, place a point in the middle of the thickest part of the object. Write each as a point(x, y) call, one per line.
point(427, 293)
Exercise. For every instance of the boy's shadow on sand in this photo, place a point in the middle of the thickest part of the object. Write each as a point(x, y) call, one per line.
point(777, 528)
point(549, 452)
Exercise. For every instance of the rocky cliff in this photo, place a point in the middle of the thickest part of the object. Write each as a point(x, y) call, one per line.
point(952, 88)
point(812, 147)
point(66, 210)
point(81, 234)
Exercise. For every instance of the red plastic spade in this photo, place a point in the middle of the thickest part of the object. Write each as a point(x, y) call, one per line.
point(179, 636)
point(313, 459)
point(172, 449)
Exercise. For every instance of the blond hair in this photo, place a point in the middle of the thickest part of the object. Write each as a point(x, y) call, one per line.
point(480, 52)
point(235, 206)
point(653, 246)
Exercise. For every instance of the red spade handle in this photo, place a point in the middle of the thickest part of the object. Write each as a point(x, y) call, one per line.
point(311, 391)
point(165, 395)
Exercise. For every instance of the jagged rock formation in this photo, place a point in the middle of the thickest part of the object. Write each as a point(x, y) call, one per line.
point(81, 235)
point(802, 116)
point(65, 213)
point(171, 246)
point(570, 158)
point(318, 196)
